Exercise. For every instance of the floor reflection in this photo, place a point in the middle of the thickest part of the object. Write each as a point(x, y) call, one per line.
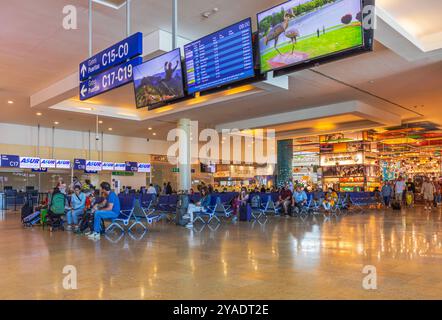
point(276, 258)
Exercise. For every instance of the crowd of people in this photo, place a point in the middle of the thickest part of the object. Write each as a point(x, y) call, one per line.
point(84, 206)
point(404, 192)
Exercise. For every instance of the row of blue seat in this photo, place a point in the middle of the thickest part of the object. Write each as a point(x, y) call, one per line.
point(152, 208)
point(169, 201)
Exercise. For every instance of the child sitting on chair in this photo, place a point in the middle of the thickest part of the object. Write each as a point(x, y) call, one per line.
point(331, 197)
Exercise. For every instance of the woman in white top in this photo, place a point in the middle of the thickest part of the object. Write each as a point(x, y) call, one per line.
point(428, 191)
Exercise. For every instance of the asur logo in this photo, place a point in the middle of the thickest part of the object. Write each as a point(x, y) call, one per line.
point(29, 161)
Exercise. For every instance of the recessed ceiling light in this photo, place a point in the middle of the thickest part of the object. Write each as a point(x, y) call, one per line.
point(39, 114)
point(150, 129)
point(100, 122)
point(10, 102)
point(207, 14)
point(110, 129)
point(56, 122)
point(154, 134)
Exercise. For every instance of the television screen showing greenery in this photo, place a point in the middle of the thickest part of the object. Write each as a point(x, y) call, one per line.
point(301, 30)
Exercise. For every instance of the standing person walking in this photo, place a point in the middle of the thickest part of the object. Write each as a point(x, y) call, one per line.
point(437, 192)
point(410, 191)
point(428, 191)
point(386, 192)
point(399, 188)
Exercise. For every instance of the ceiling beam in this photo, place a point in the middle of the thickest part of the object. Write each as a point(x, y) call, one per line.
point(380, 116)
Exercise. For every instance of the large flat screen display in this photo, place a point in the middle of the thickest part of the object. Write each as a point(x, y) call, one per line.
point(159, 80)
point(221, 58)
point(301, 30)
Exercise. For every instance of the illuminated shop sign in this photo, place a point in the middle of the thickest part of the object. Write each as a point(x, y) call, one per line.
point(341, 159)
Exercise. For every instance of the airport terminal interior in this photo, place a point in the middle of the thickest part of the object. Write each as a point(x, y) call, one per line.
point(208, 149)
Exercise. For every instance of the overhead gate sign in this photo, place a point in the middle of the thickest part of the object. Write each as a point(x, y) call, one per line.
point(111, 68)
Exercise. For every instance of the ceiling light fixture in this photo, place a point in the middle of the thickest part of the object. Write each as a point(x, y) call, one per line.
point(150, 129)
point(56, 123)
point(110, 129)
point(39, 114)
point(10, 102)
point(154, 134)
point(209, 13)
point(100, 122)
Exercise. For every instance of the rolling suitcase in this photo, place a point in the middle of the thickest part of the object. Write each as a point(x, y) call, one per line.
point(31, 219)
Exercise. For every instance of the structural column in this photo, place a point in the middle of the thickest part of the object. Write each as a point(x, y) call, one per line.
point(285, 159)
point(184, 159)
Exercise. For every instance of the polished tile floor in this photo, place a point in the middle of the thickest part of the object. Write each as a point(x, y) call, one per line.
point(285, 258)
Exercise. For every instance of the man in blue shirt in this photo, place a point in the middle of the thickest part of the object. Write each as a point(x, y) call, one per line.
point(299, 198)
point(110, 211)
point(387, 193)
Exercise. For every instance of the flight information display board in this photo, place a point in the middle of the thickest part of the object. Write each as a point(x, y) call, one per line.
point(221, 58)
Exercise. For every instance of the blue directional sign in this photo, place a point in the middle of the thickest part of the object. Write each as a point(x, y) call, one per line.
point(109, 79)
point(112, 56)
point(10, 161)
point(131, 166)
point(79, 164)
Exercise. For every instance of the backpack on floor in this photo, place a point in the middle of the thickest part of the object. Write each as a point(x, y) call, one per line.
point(245, 212)
point(86, 221)
point(395, 205)
point(27, 209)
point(55, 221)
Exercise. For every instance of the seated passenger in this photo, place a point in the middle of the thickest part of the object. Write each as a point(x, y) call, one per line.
point(78, 204)
point(299, 198)
point(151, 189)
point(199, 206)
point(57, 205)
point(206, 198)
point(110, 211)
point(331, 198)
point(285, 199)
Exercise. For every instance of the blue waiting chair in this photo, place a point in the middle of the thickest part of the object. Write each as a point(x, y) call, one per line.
point(222, 207)
point(208, 212)
point(146, 213)
point(127, 203)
